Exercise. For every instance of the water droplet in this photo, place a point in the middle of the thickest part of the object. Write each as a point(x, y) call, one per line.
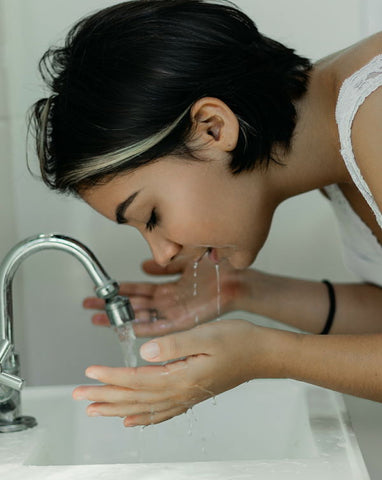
point(195, 278)
point(196, 264)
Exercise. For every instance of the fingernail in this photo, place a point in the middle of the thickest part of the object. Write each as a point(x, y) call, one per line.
point(94, 414)
point(150, 350)
point(91, 374)
point(78, 396)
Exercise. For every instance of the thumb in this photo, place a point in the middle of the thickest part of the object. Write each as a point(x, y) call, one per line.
point(177, 345)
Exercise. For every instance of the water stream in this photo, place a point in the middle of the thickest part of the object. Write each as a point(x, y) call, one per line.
point(218, 299)
point(195, 292)
point(126, 337)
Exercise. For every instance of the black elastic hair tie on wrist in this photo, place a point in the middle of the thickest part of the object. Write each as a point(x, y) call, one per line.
point(332, 308)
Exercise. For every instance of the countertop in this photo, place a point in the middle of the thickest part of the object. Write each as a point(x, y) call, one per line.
point(366, 417)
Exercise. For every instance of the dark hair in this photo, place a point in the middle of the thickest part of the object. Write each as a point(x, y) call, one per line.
point(124, 83)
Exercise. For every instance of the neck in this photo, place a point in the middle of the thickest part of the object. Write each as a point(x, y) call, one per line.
point(314, 159)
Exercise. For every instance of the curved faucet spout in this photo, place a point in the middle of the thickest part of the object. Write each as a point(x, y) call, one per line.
point(118, 308)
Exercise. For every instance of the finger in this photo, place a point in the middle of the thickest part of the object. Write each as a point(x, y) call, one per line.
point(123, 409)
point(94, 302)
point(142, 316)
point(147, 377)
point(115, 394)
point(101, 320)
point(134, 288)
point(141, 303)
point(155, 417)
point(182, 344)
point(104, 393)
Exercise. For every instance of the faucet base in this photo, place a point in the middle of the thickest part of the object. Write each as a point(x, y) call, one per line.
point(18, 424)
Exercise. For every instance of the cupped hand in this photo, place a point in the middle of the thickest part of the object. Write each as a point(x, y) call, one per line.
point(176, 305)
point(212, 358)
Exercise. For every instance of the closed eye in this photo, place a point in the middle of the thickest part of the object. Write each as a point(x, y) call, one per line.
point(153, 221)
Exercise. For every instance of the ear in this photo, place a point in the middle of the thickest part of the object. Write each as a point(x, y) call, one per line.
point(215, 124)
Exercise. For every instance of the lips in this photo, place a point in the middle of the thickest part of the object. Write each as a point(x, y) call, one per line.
point(197, 260)
point(212, 255)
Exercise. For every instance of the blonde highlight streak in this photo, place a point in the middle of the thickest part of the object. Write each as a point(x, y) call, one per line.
point(114, 159)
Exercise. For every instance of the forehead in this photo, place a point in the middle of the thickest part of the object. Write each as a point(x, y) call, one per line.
point(106, 196)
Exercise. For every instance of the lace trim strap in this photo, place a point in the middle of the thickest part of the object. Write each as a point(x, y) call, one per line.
point(353, 93)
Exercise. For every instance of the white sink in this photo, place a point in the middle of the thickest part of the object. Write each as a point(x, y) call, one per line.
point(265, 429)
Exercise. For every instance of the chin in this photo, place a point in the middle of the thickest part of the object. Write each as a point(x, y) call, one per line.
point(241, 261)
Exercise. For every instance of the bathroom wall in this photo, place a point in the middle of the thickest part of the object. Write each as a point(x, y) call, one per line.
point(371, 16)
point(54, 334)
point(8, 229)
point(7, 210)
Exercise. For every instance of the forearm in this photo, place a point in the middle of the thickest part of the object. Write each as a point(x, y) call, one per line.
point(305, 304)
point(349, 364)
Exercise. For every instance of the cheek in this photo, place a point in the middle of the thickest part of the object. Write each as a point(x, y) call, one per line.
point(214, 219)
point(191, 226)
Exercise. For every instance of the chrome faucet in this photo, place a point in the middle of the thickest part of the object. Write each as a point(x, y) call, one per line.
point(118, 309)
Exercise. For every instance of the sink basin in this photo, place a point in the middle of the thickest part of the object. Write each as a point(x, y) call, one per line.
point(265, 429)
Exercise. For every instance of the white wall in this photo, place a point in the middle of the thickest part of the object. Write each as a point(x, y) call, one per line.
point(8, 229)
point(371, 16)
point(59, 340)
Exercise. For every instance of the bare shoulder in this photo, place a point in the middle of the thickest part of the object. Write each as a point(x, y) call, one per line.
point(367, 142)
point(344, 63)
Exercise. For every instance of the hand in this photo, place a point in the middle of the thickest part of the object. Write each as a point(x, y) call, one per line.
point(174, 303)
point(213, 358)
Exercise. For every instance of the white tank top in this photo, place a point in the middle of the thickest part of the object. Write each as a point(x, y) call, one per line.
point(362, 251)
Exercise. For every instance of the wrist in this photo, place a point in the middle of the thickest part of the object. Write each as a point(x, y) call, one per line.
point(254, 292)
point(273, 352)
point(234, 290)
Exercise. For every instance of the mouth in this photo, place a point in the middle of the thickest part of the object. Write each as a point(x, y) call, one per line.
point(206, 252)
point(213, 255)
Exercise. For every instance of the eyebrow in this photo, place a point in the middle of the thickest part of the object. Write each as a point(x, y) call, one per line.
point(121, 208)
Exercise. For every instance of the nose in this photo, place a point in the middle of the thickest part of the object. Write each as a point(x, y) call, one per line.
point(164, 250)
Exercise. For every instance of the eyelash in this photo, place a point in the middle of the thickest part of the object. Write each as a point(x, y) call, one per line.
point(153, 222)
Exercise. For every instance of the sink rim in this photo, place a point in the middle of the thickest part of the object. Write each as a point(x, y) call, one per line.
point(317, 399)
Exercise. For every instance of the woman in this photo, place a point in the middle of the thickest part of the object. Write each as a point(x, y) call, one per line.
point(180, 119)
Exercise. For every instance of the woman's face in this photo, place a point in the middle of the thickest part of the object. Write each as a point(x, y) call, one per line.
point(184, 208)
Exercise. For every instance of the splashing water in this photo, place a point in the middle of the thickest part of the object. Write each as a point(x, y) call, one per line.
point(191, 420)
point(211, 394)
point(126, 337)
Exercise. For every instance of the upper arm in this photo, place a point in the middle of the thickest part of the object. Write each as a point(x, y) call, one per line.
point(367, 143)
